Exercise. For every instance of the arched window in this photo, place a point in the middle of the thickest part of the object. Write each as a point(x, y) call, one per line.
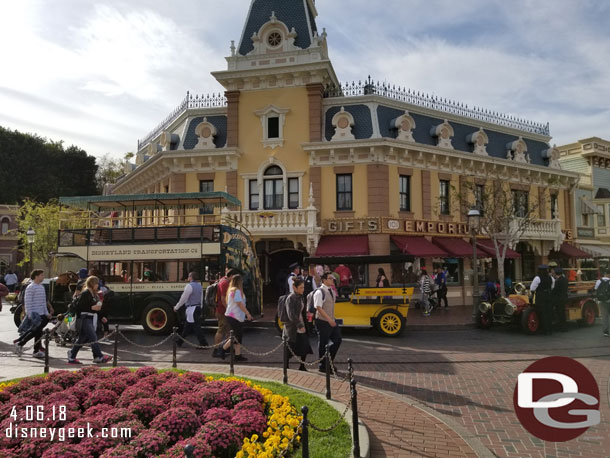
point(274, 188)
point(4, 226)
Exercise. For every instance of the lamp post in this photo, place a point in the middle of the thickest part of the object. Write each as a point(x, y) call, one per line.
point(474, 217)
point(31, 236)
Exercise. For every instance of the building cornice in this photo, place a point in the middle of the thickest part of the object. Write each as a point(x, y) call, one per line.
point(165, 163)
point(418, 109)
point(406, 154)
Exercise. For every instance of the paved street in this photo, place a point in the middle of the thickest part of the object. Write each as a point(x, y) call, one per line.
point(464, 378)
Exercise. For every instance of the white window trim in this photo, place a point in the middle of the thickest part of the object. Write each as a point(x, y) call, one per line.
point(260, 179)
point(266, 113)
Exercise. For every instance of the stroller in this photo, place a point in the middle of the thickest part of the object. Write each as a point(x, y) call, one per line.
point(64, 332)
point(432, 300)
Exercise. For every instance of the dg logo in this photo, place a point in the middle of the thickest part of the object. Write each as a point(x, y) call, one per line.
point(557, 399)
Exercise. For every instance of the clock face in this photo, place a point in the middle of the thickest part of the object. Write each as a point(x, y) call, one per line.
point(206, 132)
point(274, 39)
point(343, 123)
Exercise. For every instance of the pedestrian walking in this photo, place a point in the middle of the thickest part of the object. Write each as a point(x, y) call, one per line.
point(426, 290)
point(236, 315)
point(294, 327)
point(11, 280)
point(3, 293)
point(312, 282)
point(88, 305)
point(222, 333)
point(328, 330)
point(295, 272)
point(191, 299)
point(559, 298)
point(38, 313)
point(441, 282)
point(602, 292)
point(541, 287)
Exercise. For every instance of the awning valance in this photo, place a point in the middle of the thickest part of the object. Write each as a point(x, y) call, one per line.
point(570, 251)
point(455, 247)
point(588, 207)
point(597, 251)
point(488, 247)
point(343, 245)
point(419, 247)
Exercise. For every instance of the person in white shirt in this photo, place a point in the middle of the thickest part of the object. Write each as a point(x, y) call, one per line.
point(604, 305)
point(328, 330)
point(191, 298)
point(295, 272)
point(11, 280)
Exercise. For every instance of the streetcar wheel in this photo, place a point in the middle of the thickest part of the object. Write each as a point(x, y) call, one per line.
point(158, 318)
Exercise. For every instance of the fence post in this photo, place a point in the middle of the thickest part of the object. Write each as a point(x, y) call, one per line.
point(232, 355)
point(116, 345)
point(350, 368)
point(285, 340)
point(305, 434)
point(46, 351)
point(355, 433)
point(175, 349)
point(327, 356)
point(189, 449)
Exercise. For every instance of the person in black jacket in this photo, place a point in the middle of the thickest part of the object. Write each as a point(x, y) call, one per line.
point(559, 296)
point(89, 304)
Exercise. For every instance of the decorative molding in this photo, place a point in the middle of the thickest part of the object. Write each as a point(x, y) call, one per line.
point(517, 151)
point(205, 131)
point(552, 154)
point(479, 141)
point(405, 125)
point(168, 139)
point(342, 122)
point(273, 37)
point(444, 133)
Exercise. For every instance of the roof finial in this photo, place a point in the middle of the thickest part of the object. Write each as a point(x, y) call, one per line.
point(273, 18)
point(232, 48)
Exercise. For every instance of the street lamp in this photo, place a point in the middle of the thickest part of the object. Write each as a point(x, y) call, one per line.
point(474, 218)
point(31, 236)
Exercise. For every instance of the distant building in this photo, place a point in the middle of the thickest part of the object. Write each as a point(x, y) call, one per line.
point(9, 240)
point(590, 157)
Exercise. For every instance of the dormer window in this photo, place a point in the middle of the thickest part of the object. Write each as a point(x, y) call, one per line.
point(274, 39)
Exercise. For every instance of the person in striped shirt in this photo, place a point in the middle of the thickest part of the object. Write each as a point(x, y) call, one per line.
point(38, 310)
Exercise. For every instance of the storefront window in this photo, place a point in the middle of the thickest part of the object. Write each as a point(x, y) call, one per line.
point(253, 195)
point(293, 193)
point(274, 189)
point(206, 186)
point(554, 210)
point(452, 268)
point(601, 216)
point(520, 203)
point(478, 196)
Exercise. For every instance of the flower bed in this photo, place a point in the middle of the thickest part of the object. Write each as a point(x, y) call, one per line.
point(164, 411)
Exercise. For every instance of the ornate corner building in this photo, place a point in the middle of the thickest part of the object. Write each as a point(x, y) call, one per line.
point(364, 168)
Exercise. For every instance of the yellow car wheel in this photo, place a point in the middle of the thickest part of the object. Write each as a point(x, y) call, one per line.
point(390, 323)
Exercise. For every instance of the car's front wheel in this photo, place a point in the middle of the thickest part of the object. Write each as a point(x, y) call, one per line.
point(530, 321)
point(390, 323)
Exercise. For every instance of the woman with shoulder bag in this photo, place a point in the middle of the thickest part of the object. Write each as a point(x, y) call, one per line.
point(89, 304)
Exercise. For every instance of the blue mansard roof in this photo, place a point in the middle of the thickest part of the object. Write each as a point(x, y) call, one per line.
point(220, 122)
point(363, 128)
point(293, 13)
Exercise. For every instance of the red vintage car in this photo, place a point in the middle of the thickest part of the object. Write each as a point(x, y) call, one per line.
point(517, 310)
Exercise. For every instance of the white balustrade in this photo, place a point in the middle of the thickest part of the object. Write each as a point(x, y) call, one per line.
point(542, 229)
point(263, 222)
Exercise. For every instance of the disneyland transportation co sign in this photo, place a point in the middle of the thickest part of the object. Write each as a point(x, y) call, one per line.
point(394, 226)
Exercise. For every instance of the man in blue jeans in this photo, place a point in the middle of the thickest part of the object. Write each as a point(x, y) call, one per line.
point(328, 330)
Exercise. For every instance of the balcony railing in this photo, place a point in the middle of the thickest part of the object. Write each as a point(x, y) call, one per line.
point(543, 229)
point(263, 222)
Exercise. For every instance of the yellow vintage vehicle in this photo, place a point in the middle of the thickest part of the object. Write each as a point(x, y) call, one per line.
point(384, 309)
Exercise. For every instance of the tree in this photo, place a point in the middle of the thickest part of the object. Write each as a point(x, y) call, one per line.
point(110, 170)
point(38, 169)
point(44, 218)
point(505, 214)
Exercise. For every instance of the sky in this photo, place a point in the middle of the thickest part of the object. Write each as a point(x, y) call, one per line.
point(102, 74)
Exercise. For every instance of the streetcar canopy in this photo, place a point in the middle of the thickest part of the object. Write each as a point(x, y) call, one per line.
point(119, 202)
